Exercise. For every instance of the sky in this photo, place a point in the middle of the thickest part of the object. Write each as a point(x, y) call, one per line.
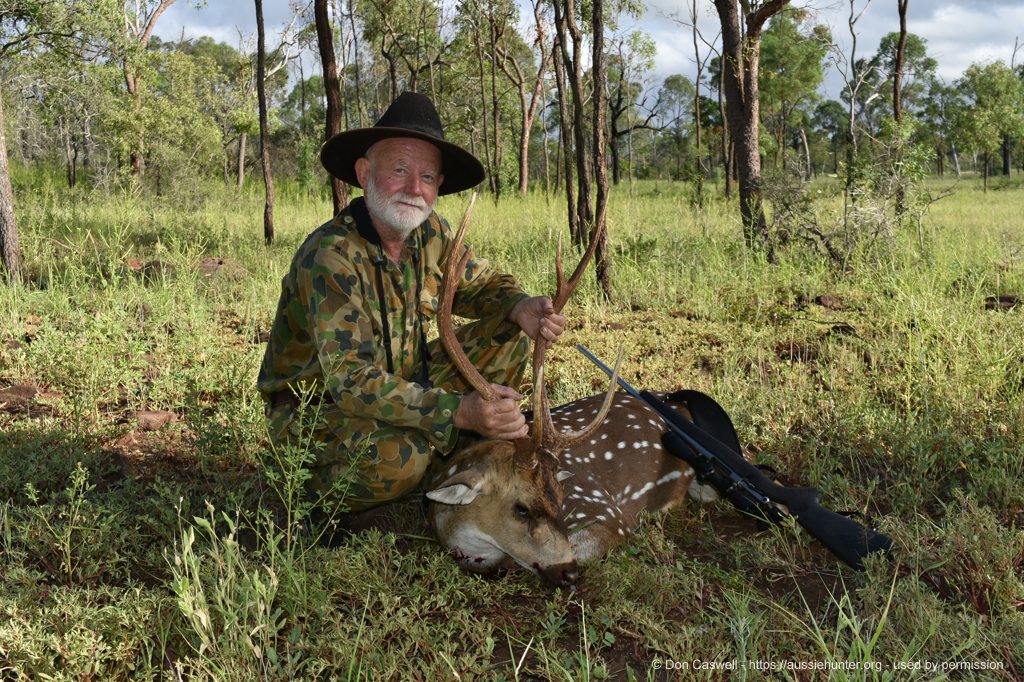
point(958, 32)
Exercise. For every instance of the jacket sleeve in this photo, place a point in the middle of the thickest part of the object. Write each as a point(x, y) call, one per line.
point(347, 349)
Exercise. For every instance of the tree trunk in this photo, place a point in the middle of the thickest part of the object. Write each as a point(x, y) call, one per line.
point(613, 146)
point(132, 84)
point(741, 62)
point(358, 68)
point(897, 111)
point(483, 107)
point(495, 111)
point(325, 43)
point(565, 133)
point(808, 171)
point(243, 138)
point(1007, 145)
point(897, 74)
point(727, 152)
point(565, 19)
point(604, 278)
point(985, 171)
point(261, 93)
point(10, 244)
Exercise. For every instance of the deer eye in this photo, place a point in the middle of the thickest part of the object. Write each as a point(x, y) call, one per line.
point(522, 513)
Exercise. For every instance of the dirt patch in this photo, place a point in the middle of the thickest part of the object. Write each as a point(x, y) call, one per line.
point(152, 270)
point(215, 267)
point(831, 301)
point(1002, 302)
point(796, 351)
point(153, 420)
point(27, 401)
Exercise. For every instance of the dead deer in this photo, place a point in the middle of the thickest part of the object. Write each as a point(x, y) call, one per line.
point(561, 496)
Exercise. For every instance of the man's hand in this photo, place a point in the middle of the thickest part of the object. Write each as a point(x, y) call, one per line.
point(499, 419)
point(538, 319)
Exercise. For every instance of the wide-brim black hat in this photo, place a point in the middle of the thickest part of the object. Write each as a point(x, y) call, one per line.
point(410, 115)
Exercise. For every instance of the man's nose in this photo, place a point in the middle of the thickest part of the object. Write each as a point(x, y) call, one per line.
point(414, 185)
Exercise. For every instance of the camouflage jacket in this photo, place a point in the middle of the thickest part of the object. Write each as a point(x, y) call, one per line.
point(329, 331)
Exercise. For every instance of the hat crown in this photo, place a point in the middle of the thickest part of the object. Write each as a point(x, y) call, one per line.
point(415, 112)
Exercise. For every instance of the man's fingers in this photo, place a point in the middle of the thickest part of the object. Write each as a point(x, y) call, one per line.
point(506, 392)
point(513, 435)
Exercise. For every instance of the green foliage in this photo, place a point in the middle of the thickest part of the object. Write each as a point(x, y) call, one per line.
point(994, 105)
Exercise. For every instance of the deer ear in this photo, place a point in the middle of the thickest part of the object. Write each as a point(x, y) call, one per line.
point(563, 475)
point(462, 488)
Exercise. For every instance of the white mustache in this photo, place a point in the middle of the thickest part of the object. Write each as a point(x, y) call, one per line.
point(418, 202)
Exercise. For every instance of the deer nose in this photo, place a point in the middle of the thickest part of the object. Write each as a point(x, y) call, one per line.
point(560, 575)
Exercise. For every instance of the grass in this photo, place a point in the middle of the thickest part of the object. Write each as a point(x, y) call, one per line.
point(135, 554)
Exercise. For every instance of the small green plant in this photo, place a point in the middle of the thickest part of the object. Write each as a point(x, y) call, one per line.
point(233, 620)
point(72, 536)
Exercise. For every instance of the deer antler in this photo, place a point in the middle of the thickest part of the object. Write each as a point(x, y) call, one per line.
point(453, 269)
point(544, 436)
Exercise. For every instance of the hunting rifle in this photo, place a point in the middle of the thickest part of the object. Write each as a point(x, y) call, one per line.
point(749, 489)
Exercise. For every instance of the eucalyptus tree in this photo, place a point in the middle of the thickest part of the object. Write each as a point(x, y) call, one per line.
point(677, 116)
point(793, 52)
point(830, 121)
point(526, 70)
point(130, 49)
point(741, 50)
point(994, 108)
point(629, 105)
point(332, 91)
point(407, 34)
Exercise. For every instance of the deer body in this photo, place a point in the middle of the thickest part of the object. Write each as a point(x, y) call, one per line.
point(492, 513)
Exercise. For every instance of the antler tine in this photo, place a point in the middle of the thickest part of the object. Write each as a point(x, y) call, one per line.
point(543, 429)
point(565, 289)
point(558, 441)
point(453, 270)
point(539, 409)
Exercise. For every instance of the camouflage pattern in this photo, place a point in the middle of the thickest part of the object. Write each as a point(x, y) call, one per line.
point(378, 428)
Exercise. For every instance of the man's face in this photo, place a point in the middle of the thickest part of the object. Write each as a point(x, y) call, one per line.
point(400, 177)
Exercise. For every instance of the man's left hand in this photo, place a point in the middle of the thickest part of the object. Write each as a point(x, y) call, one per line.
point(538, 319)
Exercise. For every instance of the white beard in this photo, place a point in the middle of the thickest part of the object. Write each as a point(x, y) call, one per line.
point(392, 211)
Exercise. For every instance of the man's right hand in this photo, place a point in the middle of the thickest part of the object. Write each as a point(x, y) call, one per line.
point(499, 419)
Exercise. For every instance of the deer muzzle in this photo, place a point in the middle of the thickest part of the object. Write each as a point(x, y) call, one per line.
point(560, 575)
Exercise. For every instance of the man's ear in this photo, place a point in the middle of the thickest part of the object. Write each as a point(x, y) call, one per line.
point(362, 170)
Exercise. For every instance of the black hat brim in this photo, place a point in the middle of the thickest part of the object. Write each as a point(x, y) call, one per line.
point(338, 155)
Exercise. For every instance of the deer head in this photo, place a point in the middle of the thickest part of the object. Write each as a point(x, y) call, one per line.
point(500, 502)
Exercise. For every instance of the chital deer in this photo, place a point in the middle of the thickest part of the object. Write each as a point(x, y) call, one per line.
point(562, 496)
